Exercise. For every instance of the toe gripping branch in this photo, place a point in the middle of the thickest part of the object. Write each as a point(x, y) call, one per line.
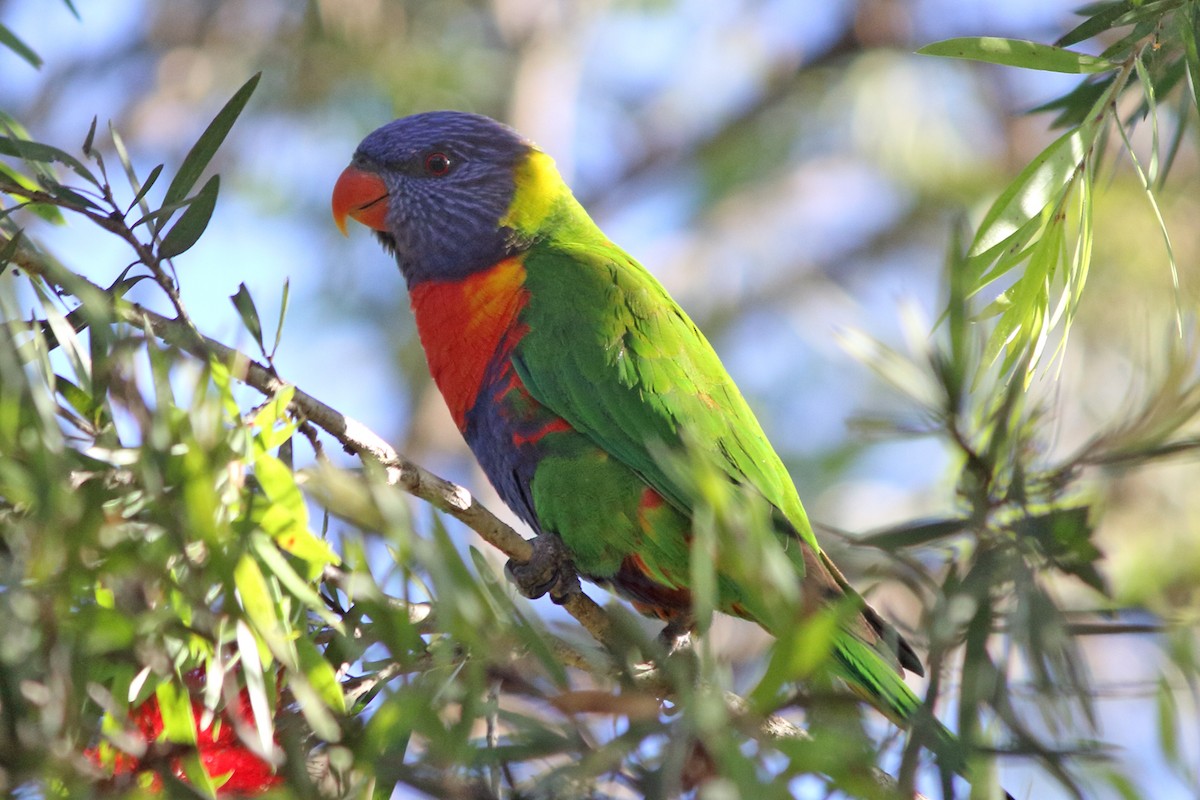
point(548, 571)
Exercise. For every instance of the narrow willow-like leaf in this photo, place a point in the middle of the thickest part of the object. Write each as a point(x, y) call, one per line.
point(1152, 110)
point(1151, 196)
point(1075, 106)
point(1102, 19)
point(1021, 328)
point(244, 304)
point(253, 657)
point(44, 210)
point(300, 588)
point(1017, 53)
point(13, 42)
point(140, 197)
point(283, 306)
point(139, 189)
point(1042, 181)
point(914, 534)
point(1188, 27)
point(1010, 253)
point(206, 146)
point(175, 709)
point(90, 138)
point(44, 153)
point(9, 250)
point(192, 222)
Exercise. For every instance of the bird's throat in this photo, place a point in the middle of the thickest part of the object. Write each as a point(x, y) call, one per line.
point(468, 328)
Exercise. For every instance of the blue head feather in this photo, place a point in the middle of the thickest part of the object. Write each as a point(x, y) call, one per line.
point(445, 225)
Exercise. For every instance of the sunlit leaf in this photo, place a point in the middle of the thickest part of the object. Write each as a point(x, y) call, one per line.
point(1017, 53)
point(1041, 182)
point(321, 676)
point(175, 706)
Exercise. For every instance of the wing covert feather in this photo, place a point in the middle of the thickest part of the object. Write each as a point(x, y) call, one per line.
point(610, 351)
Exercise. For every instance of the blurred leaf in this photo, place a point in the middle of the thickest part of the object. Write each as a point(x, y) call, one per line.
point(1042, 182)
point(285, 517)
point(206, 146)
point(253, 657)
point(43, 153)
point(90, 138)
point(44, 210)
point(1065, 536)
point(244, 304)
point(283, 306)
point(321, 677)
point(913, 534)
point(193, 221)
point(1076, 105)
point(9, 39)
point(1017, 53)
point(9, 250)
point(1188, 26)
point(798, 653)
point(255, 595)
point(175, 706)
point(1103, 16)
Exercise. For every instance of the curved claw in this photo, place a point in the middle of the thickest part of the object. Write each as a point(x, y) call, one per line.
point(548, 571)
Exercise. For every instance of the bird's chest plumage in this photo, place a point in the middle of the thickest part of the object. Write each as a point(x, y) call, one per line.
point(469, 329)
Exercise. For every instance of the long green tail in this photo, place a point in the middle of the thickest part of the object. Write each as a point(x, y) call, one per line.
point(865, 671)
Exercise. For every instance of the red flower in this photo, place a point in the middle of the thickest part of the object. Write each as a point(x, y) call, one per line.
point(226, 759)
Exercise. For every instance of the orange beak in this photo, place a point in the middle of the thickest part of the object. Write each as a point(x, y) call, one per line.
point(361, 195)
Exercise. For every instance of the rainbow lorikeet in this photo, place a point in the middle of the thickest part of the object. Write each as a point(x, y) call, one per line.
point(569, 370)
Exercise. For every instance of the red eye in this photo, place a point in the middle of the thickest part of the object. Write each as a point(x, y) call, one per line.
point(437, 164)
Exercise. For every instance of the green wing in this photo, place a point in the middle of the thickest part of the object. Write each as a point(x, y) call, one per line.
point(610, 352)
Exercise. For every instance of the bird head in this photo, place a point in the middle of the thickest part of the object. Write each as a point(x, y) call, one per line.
point(436, 188)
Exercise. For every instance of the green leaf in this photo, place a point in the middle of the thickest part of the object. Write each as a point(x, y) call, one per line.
point(175, 706)
point(12, 42)
point(1065, 536)
point(283, 306)
point(150, 180)
point(1100, 20)
point(9, 250)
point(278, 565)
point(321, 675)
point(1017, 53)
point(44, 210)
point(1043, 181)
point(1075, 106)
point(91, 137)
point(193, 221)
point(1188, 26)
point(206, 146)
point(244, 304)
point(43, 153)
point(914, 534)
point(254, 594)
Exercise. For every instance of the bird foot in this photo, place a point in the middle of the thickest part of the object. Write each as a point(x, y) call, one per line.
point(677, 635)
point(548, 571)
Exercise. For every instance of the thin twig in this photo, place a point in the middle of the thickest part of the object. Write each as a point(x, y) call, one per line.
point(355, 437)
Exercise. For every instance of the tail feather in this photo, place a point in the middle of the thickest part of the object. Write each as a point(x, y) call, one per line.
point(881, 685)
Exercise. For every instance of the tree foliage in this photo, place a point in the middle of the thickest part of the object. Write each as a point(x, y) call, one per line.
point(163, 555)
